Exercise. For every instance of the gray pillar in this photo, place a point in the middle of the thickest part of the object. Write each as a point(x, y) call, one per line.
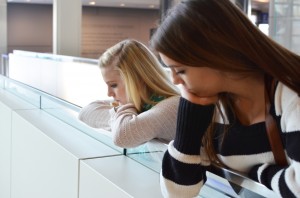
point(67, 27)
point(164, 6)
point(245, 5)
point(3, 27)
point(3, 35)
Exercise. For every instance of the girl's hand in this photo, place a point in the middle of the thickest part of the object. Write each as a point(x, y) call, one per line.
point(196, 99)
point(115, 104)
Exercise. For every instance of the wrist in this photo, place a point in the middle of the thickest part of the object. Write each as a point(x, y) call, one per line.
point(192, 122)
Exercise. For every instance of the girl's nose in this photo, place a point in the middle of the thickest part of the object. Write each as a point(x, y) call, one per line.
point(110, 93)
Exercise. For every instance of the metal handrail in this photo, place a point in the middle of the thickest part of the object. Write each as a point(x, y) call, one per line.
point(4, 67)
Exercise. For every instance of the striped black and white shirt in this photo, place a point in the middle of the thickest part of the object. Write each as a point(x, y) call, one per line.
point(244, 148)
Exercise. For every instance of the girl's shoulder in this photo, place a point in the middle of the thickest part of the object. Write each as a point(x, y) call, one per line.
point(174, 98)
point(171, 99)
point(287, 106)
point(170, 102)
point(285, 98)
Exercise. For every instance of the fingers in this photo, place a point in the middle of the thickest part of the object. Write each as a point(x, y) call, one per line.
point(115, 104)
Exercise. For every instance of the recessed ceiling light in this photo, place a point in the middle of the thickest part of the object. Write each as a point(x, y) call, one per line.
point(263, 1)
point(92, 2)
point(151, 6)
point(122, 4)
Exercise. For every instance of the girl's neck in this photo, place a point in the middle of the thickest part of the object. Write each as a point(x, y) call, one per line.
point(249, 102)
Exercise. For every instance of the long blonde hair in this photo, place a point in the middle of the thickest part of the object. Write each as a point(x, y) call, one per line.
point(142, 72)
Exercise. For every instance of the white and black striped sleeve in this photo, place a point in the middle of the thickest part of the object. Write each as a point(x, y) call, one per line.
point(183, 170)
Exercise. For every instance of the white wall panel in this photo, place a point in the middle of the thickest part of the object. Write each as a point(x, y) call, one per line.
point(40, 167)
point(117, 176)
point(8, 102)
point(5, 140)
point(95, 185)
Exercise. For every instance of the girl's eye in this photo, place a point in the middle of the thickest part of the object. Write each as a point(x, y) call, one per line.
point(180, 72)
point(113, 85)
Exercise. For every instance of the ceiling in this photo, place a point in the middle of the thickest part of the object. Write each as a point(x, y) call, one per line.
point(262, 5)
point(149, 4)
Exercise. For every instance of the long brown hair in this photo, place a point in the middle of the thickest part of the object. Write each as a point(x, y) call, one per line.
point(217, 34)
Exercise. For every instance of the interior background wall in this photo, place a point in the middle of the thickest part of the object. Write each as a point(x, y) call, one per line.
point(30, 27)
point(103, 27)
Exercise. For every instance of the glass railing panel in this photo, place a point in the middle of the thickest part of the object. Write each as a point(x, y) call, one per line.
point(68, 113)
point(25, 92)
point(58, 108)
point(2, 82)
point(149, 154)
point(220, 182)
point(242, 185)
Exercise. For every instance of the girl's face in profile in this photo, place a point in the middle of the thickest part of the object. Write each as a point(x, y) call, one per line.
point(200, 82)
point(115, 84)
